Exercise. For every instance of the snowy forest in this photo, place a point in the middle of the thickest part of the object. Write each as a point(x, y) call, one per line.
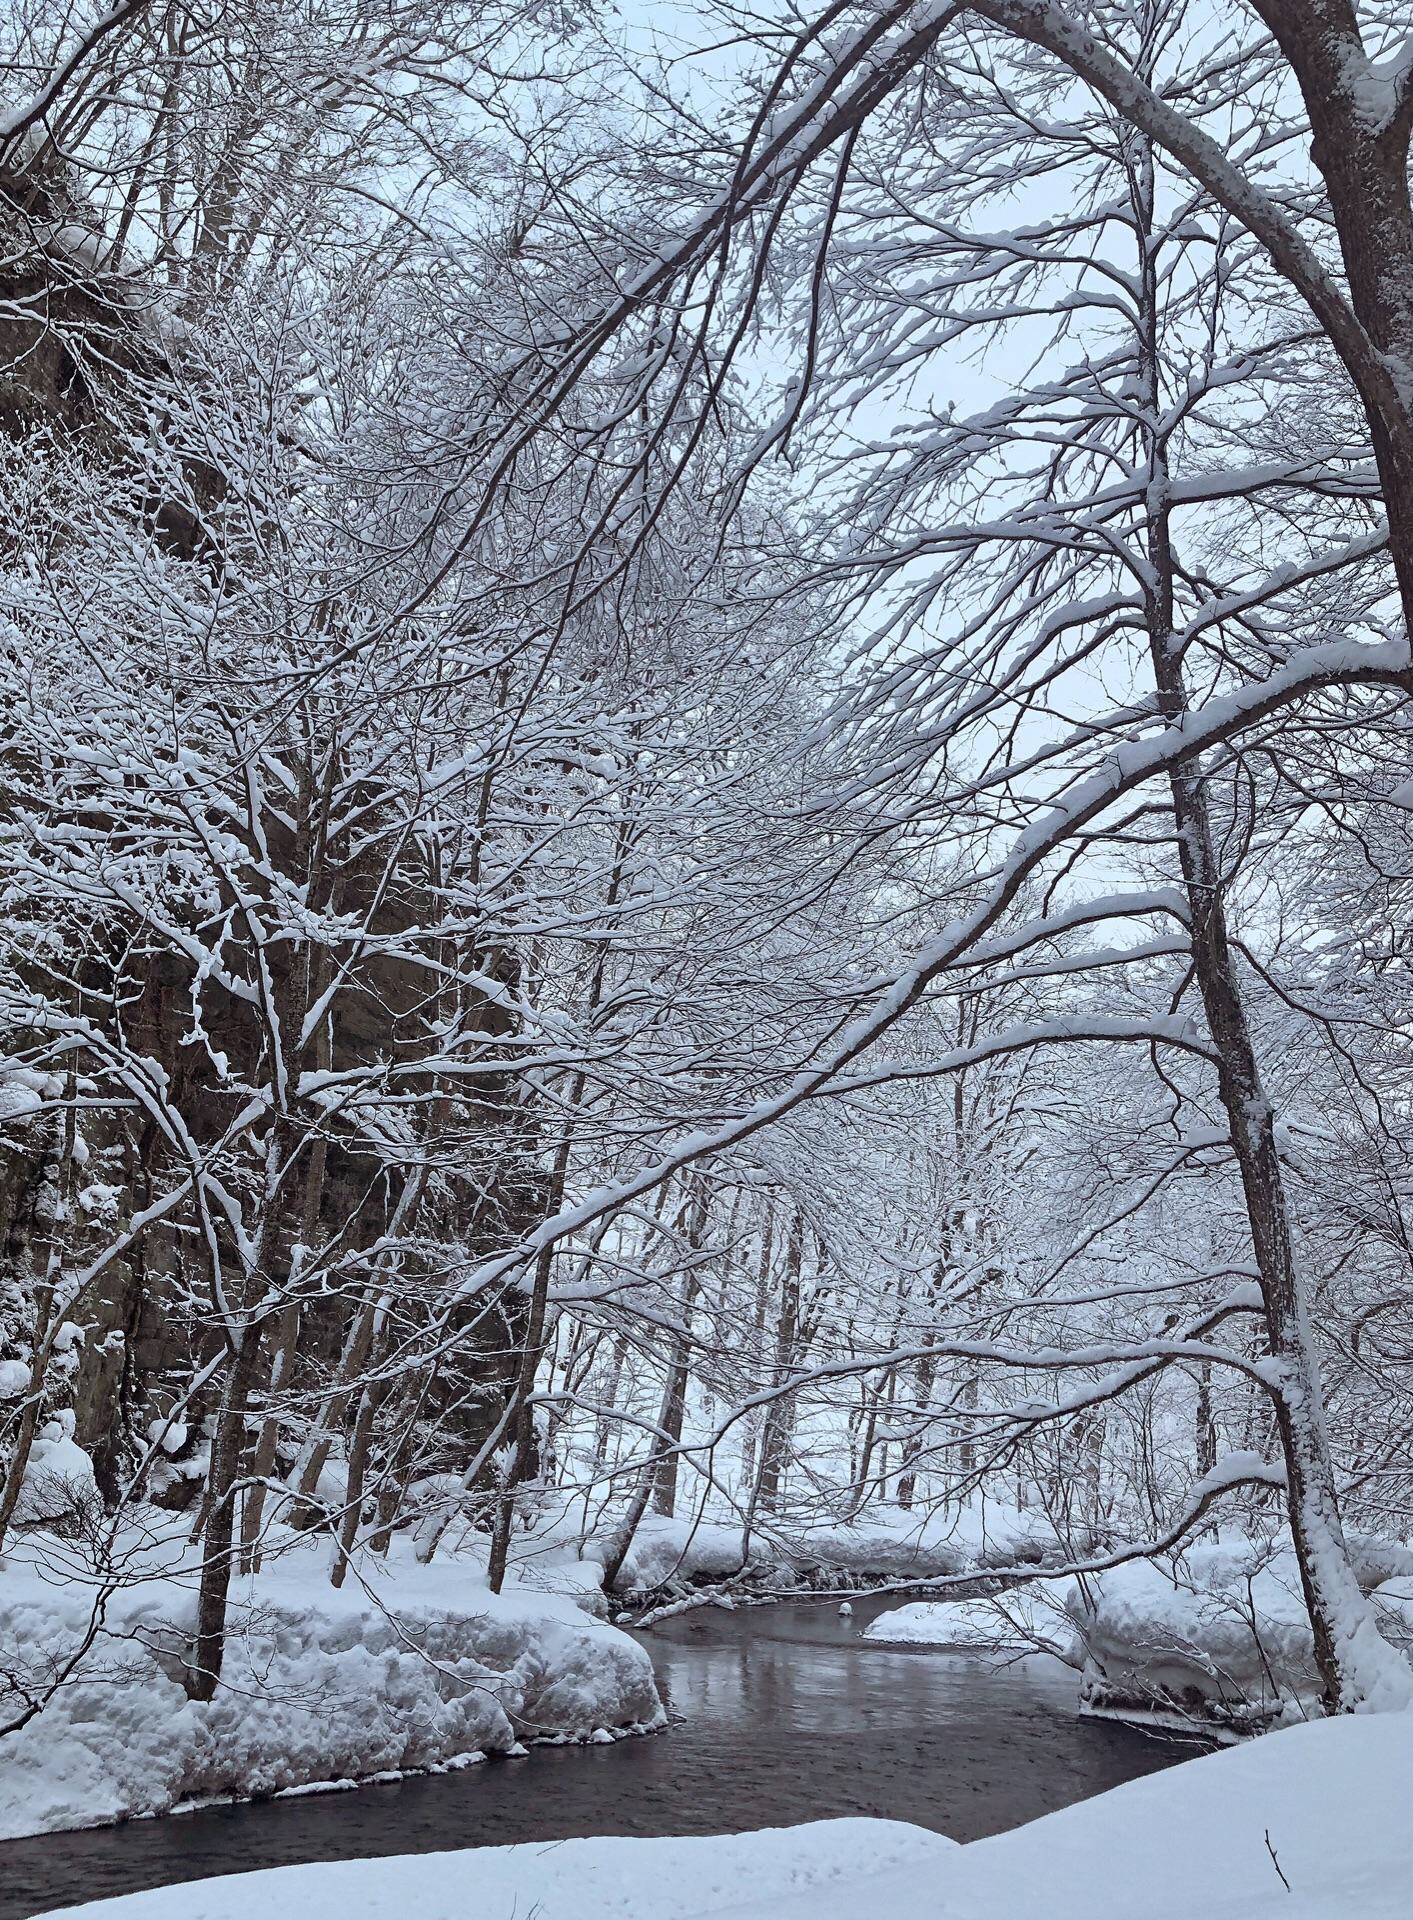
point(706, 921)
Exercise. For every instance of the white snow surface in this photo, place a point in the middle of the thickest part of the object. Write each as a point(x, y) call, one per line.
point(1222, 1628)
point(664, 1550)
point(58, 1478)
point(1026, 1619)
point(14, 1379)
point(1327, 1799)
point(888, 1543)
point(407, 1667)
point(1393, 1608)
point(896, 1543)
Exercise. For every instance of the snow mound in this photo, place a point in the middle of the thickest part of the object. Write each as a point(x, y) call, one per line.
point(14, 1379)
point(317, 1686)
point(899, 1544)
point(1393, 1609)
point(663, 1550)
point(1221, 1633)
point(1377, 1561)
point(1026, 1619)
point(58, 1479)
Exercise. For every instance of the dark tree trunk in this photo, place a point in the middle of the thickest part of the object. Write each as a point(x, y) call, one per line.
point(1339, 1616)
point(218, 1541)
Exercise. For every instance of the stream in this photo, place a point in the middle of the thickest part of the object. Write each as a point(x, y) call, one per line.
point(781, 1714)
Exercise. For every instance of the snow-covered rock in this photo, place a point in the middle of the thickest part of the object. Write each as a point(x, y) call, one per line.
point(14, 1379)
point(19, 1100)
point(1376, 1561)
point(58, 1479)
point(1393, 1609)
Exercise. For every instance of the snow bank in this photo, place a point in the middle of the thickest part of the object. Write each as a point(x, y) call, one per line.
point(428, 1669)
point(891, 1543)
point(1376, 1561)
point(1027, 1619)
point(1393, 1609)
point(663, 1550)
point(888, 1543)
point(1221, 1633)
point(1323, 1805)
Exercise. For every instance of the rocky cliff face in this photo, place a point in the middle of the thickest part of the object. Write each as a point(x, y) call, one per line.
point(81, 366)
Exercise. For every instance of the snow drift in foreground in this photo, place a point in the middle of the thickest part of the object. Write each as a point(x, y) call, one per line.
point(428, 1669)
point(1323, 1805)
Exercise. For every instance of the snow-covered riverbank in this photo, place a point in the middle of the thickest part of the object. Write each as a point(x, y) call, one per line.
point(408, 1667)
point(1307, 1824)
point(405, 1668)
point(1216, 1636)
point(885, 1544)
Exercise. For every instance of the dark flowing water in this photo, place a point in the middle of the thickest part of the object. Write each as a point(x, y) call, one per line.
point(786, 1716)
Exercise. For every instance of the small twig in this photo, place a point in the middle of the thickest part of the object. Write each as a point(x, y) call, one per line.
point(1274, 1862)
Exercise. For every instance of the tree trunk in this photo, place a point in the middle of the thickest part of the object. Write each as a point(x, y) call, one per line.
point(913, 1447)
point(523, 1429)
point(637, 1507)
point(755, 1421)
point(1351, 1656)
point(679, 1365)
point(775, 1440)
point(218, 1541)
point(358, 1453)
point(49, 1212)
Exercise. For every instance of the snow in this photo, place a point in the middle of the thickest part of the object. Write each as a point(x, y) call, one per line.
point(663, 1550)
point(1327, 1800)
point(1376, 1561)
point(1393, 1608)
point(1025, 1619)
point(889, 1543)
point(1221, 1631)
point(894, 1543)
point(14, 1379)
point(1219, 1634)
point(422, 1669)
point(17, 1101)
point(58, 1477)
